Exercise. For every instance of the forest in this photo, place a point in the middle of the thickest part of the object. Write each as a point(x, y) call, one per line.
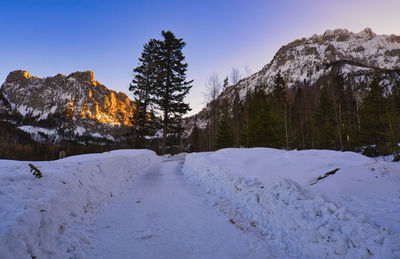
point(332, 114)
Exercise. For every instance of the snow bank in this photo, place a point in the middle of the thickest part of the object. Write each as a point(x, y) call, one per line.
point(354, 213)
point(50, 217)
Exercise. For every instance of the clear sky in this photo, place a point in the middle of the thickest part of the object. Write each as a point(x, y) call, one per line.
point(47, 37)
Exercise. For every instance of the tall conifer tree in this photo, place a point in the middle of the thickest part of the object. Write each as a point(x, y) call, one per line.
point(261, 125)
point(224, 138)
point(373, 117)
point(142, 86)
point(280, 98)
point(171, 86)
point(324, 122)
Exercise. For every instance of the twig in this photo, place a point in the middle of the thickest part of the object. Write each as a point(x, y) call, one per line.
point(36, 171)
point(325, 175)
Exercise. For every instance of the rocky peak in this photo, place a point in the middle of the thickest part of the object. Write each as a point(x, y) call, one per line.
point(303, 60)
point(366, 33)
point(343, 34)
point(18, 75)
point(84, 77)
point(78, 98)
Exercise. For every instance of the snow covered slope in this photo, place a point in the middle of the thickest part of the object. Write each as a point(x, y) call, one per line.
point(353, 213)
point(49, 217)
point(306, 60)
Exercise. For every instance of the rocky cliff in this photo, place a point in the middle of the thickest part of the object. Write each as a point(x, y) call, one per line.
point(73, 107)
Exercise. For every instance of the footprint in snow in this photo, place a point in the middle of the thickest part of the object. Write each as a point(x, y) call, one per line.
point(147, 234)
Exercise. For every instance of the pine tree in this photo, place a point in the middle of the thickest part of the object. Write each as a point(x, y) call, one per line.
point(279, 90)
point(171, 86)
point(142, 86)
point(324, 122)
point(373, 121)
point(224, 137)
point(395, 113)
point(280, 98)
point(261, 124)
point(226, 83)
point(195, 139)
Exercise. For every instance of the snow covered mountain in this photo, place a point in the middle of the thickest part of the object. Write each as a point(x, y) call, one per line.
point(73, 107)
point(310, 61)
point(306, 60)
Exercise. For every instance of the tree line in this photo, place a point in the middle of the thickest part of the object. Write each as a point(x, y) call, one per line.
point(336, 114)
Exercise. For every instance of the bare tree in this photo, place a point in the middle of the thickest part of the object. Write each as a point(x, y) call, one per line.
point(247, 71)
point(235, 76)
point(213, 89)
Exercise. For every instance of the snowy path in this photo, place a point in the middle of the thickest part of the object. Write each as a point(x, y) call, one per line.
point(162, 215)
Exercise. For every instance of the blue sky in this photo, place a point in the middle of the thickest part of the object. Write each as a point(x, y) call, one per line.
point(47, 37)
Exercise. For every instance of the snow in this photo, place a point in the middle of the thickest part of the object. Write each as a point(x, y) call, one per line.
point(233, 203)
point(50, 217)
point(354, 213)
point(35, 133)
point(111, 138)
point(96, 135)
point(163, 215)
point(80, 130)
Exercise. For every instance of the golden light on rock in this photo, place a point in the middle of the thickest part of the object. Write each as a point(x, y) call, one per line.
point(92, 81)
point(112, 112)
point(101, 104)
point(26, 74)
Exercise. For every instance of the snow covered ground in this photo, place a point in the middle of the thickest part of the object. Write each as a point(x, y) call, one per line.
point(233, 203)
point(163, 215)
point(51, 217)
point(354, 213)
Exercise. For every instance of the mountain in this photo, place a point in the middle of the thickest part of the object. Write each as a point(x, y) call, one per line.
point(72, 108)
point(309, 62)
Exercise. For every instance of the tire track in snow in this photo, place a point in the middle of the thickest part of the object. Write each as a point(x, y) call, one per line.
point(162, 215)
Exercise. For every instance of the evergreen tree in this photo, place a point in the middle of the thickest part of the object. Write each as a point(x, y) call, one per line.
point(195, 139)
point(324, 122)
point(280, 100)
point(226, 83)
point(395, 113)
point(261, 125)
point(350, 118)
point(373, 121)
point(224, 137)
point(171, 86)
point(236, 115)
point(142, 86)
point(279, 90)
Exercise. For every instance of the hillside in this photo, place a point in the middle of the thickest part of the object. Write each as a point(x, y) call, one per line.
point(338, 63)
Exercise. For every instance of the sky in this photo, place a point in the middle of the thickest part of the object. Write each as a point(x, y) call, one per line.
point(48, 37)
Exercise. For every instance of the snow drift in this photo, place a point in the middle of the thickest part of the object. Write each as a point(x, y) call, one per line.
point(50, 217)
point(354, 213)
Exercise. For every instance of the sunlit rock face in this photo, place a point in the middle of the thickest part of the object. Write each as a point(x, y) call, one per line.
point(76, 104)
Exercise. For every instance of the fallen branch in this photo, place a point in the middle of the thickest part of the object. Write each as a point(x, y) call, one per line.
point(325, 175)
point(36, 171)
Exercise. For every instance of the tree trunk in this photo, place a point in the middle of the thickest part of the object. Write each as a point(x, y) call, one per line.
point(164, 134)
point(286, 131)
